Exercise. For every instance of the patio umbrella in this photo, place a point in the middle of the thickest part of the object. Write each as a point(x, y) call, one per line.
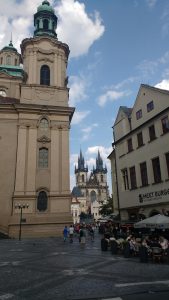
point(157, 221)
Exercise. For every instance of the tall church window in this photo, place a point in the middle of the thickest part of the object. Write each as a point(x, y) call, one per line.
point(8, 60)
point(44, 124)
point(15, 61)
point(45, 24)
point(101, 178)
point(45, 75)
point(43, 158)
point(1, 60)
point(93, 196)
point(82, 177)
point(42, 201)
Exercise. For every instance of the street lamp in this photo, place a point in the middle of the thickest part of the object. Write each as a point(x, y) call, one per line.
point(21, 207)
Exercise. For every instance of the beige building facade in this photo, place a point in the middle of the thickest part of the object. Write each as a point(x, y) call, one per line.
point(34, 133)
point(91, 190)
point(140, 156)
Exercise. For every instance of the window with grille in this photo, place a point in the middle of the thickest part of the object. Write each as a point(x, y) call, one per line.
point(45, 75)
point(44, 123)
point(42, 201)
point(143, 171)
point(43, 158)
point(152, 133)
point(165, 124)
point(133, 178)
point(156, 170)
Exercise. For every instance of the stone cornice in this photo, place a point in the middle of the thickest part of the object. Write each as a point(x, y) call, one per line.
point(38, 109)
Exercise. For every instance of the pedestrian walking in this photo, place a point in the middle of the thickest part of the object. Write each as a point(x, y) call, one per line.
point(65, 233)
point(71, 232)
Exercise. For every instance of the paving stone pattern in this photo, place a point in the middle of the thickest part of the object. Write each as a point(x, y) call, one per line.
point(50, 269)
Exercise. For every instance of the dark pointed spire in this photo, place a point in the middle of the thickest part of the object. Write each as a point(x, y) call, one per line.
point(99, 164)
point(81, 164)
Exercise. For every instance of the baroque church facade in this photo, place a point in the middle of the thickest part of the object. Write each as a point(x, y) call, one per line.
point(91, 190)
point(34, 132)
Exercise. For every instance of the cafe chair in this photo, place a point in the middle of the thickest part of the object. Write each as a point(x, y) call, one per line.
point(157, 254)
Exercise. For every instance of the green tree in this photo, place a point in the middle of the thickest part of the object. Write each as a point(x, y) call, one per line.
point(106, 209)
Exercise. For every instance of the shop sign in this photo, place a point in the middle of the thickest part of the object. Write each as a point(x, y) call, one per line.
point(157, 195)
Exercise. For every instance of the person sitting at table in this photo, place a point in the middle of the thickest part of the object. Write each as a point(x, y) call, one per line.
point(154, 242)
point(163, 243)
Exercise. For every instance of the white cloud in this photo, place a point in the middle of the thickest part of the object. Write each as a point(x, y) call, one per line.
point(87, 131)
point(17, 17)
point(77, 89)
point(164, 84)
point(79, 116)
point(76, 27)
point(110, 95)
point(104, 152)
point(151, 3)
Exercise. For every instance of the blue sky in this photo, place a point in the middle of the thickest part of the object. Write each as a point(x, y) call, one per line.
point(115, 46)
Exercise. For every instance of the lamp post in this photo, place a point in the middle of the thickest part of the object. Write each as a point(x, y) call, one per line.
point(21, 207)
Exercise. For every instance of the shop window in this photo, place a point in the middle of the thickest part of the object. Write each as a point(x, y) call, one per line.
point(42, 201)
point(139, 114)
point(133, 178)
point(140, 139)
point(156, 170)
point(125, 179)
point(165, 124)
point(43, 158)
point(150, 106)
point(45, 75)
point(143, 171)
point(130, 145)
point(152, 133)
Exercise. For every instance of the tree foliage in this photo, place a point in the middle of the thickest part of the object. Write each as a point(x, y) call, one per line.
point(107, 209)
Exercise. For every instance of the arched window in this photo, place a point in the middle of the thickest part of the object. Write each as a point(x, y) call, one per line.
point(8, 60)
point(45, 75)
point(44, 123)
point(93, 196)
point(82, 177)
point(15, 61)
point(42, 201)
point(101, 178)
point(43, 158)
point(1, 60)
point(45, 24)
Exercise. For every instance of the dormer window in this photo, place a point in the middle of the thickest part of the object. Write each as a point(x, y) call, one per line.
point(45, 75)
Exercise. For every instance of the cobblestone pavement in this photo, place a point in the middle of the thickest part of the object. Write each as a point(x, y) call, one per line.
point(50, 269)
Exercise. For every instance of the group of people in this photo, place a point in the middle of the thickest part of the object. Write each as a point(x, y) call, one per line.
point(79, 230)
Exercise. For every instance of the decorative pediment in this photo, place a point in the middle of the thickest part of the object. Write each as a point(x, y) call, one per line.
point(44, 139)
